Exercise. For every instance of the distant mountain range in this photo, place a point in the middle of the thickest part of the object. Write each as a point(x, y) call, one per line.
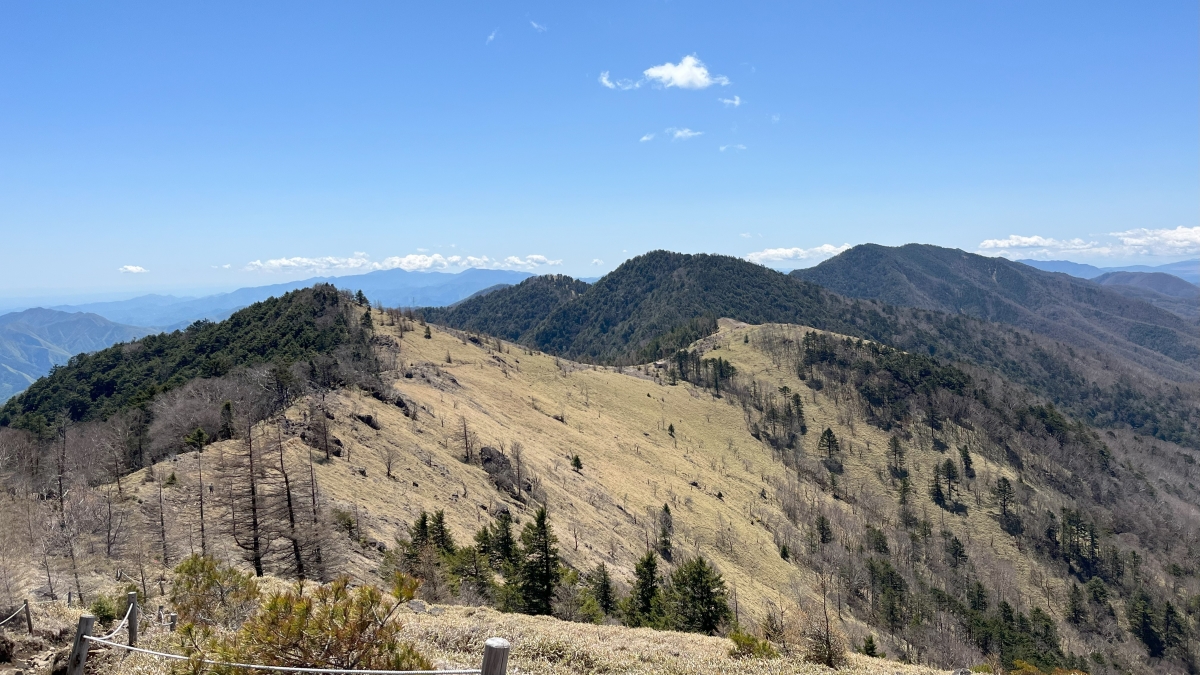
point(1077, 311)
point(393, 288)
point(1188, 270)
point(35, 340)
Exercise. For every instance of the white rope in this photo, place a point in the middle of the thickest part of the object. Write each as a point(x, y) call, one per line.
point(19, 610)
point(283, 669)
point(119, 626)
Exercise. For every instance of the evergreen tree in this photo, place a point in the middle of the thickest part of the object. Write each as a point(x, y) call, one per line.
point(824, 530)
point(1004, 494)
point(439, 534)
point(641, 608)
point(576, 464)
point(600, 583)
point(869, 648)
point(950, 473)
point(1076, 607)
point(828, 443)
point(666, 528)
point(539, 564)
point(968, 466)
point(698, 602)
point(896, 457)
point(936, 493)
point(1143, 624)
point(1174, 630)
point(428, 335)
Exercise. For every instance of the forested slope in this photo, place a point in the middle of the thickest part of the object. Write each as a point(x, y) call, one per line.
point(660, 301)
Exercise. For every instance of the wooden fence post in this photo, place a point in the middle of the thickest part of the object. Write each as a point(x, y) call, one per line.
point(28, 617)
point(495, 657)
point(173, 619)
point(79, 650)
point(131, 598)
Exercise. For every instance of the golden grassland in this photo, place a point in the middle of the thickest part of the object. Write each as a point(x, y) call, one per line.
point(719, 481)
point(546, 646)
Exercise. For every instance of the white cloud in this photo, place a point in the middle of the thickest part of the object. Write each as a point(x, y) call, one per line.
point(1179, 241)
point(744, 235)
point(623, 85)
point(1128, 243)
point(780, 255)
point(735, 101)
point(413, 262)
point(647, 137)
point(597, 261)
point(775, 118)
point(132, 269)
point(491, 37)
point(537, 26)
point(683, 134)
point(689, 73)
point(735, 146)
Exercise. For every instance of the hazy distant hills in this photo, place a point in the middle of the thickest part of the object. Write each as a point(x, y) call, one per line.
point(35, 340)
point(1188, 270)
point(1067, 308)
point(393, 288)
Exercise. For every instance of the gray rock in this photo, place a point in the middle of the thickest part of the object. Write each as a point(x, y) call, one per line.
point(416, 606)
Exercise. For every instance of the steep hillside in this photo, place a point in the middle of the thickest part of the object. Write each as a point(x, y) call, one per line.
point(653, 304)
point(512, 311)
point(941, 568)
point(34, 341)
point(298, 325)
point(1164, 291)
point(995, 289)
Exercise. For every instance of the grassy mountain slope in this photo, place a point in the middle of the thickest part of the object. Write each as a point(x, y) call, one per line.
point(34, 341)
point(658, 302)
point(739, 493)
point(995, 289)
point(297, 325)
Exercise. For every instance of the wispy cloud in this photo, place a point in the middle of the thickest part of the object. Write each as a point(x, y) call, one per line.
point(646, 137)
point(537, 26)
point(132, 269)
point(683, 134)
point(413, 262)
point(744, 235)
point(771, 256)
point(1127, 243)
point(491, 37)
point(735, 101)
point(775, 118)
point(689, 73)
point(733, 146)
point(623, 85)
point(597, 261)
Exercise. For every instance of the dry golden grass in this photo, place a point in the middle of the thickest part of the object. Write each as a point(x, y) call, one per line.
point(713, 473)
point(547, 646)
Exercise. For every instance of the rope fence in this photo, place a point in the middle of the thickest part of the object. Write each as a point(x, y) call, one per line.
point(23, 609)
point(495, 652)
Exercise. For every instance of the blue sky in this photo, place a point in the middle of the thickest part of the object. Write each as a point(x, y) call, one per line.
point(215, 145)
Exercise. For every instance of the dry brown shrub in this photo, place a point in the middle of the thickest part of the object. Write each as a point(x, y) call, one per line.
point(824, 642)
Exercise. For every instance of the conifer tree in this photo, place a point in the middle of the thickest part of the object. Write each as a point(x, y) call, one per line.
point(600, 582)
point(666, 528)
point(698, 602)
point(828, 443)
point(1076, 608)
point(642, 606)
point(539, 564)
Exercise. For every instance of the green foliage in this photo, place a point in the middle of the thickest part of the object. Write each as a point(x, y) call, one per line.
point(576, 463)
point(327, 626)
point(210, 593)
point(540, 565)
point(91, 386)
point(869, 648)
point(643, 606)
point(511, 312)
point(747, 646)
point(104, 609)
point(696, 598)
point(601, 587)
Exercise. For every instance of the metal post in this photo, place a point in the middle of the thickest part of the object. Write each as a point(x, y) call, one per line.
point(495, 657)
point(131, 598)
point(28, 617)
point(70, 598)
point(79, 650)
point(173, 619)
